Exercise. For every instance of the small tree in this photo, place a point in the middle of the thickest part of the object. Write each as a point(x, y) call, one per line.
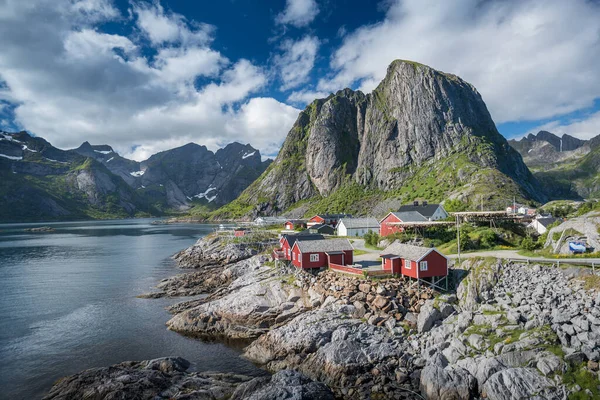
point(528, 244)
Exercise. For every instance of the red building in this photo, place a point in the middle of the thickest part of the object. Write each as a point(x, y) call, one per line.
point(414, 261)
point(294, 224)
point(308, 254)
point(327, 219)
point(286, 243)
point(387, 225)
point(239, 232)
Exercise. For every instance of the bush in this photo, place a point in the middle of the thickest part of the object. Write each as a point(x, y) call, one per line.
point(528, 244)
point(488, 238)
point(371, 239)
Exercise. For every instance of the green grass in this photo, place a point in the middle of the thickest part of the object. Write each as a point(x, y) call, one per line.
point(579, 375)
point(359, 252)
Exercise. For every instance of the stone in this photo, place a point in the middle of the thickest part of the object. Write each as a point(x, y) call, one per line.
point(286, 384)
point(519, 383)
point(447, 383)
point(427, 317)
point(575, 358)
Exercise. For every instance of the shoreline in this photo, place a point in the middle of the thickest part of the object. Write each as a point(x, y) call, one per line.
point(362, 338)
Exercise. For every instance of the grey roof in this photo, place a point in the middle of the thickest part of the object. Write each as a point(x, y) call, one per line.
point(425, 210)
point(319, 246)
point(409, 216)
point(407, 251)
point(359, 223)
point(291, 239)
point(547, 221)
point(333, 216)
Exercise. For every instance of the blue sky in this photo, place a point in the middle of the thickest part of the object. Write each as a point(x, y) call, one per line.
point(145, 76)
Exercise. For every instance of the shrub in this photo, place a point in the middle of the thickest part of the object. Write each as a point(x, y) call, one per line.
point(528, 244)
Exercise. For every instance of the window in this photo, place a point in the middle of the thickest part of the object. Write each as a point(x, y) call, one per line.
point(423, 266)
point(407, 264)
point(289, 251)
point(294, 256)
point(314, 257)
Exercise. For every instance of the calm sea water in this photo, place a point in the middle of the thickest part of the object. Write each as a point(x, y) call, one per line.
point(68, 302)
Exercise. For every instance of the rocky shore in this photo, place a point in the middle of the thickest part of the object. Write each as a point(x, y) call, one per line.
point(507, 332)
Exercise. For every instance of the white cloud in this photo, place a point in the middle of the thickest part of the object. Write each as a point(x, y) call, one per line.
point(298, 13)
point(297, 61)
point(306, 96)
point(161, 27)
point(583, 128)
point(70, 82)
point(530, 59)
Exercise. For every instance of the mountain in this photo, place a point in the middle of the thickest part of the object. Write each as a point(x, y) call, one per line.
point(185, 176)
point(566, 166)
point(420, 134)
point(545, 149)
point(41, 182)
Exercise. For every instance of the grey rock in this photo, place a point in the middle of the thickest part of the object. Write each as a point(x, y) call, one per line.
point(519, 383)
point(428, 316)
point(447, 383)
point(286, 384)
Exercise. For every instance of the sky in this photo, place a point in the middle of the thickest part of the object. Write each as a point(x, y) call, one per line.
point(146, 76)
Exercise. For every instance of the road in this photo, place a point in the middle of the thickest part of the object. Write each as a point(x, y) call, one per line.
point(512, 254)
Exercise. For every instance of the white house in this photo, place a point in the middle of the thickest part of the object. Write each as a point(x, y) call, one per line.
point(540, 225)
point(357, 226)
point(264, 221)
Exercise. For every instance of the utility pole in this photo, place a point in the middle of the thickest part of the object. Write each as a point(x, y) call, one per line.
point(458, 238)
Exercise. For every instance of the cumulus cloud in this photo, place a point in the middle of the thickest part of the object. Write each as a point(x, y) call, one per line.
point(530, 59)
point(583, 128)
point(306, 96)
point(296, 61)
point(70, 82)
point(298, 13)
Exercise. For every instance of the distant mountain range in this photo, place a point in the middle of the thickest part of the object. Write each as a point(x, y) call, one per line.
point(421, 134)
point(42, 182)
point(567, 167)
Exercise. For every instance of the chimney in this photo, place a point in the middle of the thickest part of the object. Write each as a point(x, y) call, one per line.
point(416, 203)
point(424, 202)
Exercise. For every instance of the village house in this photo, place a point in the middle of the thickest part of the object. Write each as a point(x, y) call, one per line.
point(312, 254)
point(294, 224)
point(266, 221)
point(540, 225)
point(357, 226)
point(431, 212)
point(286, 242)
point(327, 219)
point(239, 232)
point(322, 229)
point(422, 263)
point(387, 226)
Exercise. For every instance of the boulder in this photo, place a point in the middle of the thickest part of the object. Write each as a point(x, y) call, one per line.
point(450, 383)
point(285, 384)
point(520, 383)
point(428, 316)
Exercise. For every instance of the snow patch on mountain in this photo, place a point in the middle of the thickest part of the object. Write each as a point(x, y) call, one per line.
point(11, 157)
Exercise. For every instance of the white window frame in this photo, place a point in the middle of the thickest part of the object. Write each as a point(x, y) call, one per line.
point(289, 252)
point(293, 256)
point(423, 266)
point(314, 257)
point(407, 264)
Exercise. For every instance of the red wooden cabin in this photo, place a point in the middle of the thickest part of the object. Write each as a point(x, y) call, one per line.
point(308, 254)
point(414, 261)
point(239, 232)
point(294, 224)
point(286, 243)
point(387, 225)
point(327, 219)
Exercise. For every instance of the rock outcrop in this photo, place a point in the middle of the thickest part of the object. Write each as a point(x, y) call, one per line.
point(167, 378)
point(420, 128)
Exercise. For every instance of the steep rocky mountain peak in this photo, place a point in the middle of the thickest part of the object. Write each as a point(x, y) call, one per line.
point(420, 132)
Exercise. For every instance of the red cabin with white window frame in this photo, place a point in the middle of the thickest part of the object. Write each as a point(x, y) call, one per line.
point(286, 243)
point(414, 261)
point(311, 254)
point(294, 224)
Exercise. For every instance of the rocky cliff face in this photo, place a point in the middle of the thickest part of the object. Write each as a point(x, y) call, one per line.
point(420, 131)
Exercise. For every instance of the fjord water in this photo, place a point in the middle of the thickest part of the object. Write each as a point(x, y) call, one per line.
point(68, 302)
